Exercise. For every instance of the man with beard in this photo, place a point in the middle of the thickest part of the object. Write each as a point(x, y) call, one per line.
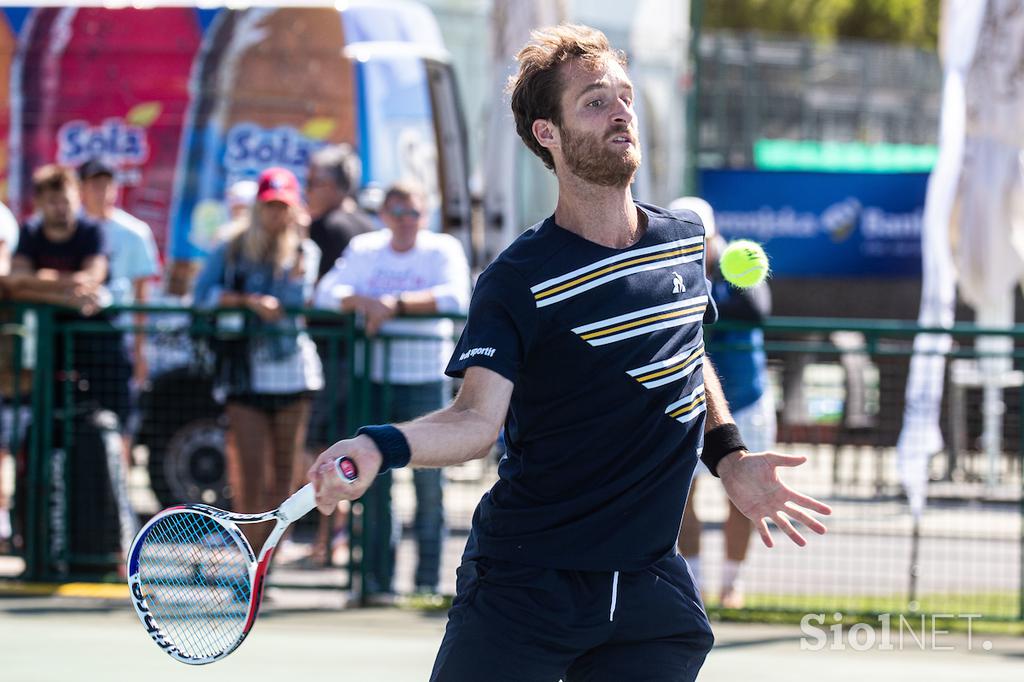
point(585, 339)
point(60, 256)
point(60, 260)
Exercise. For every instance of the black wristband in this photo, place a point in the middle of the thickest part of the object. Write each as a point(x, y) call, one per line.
point(719, 443)
point(394, 448)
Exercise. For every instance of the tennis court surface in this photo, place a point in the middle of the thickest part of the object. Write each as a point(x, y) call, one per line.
point(44, 639)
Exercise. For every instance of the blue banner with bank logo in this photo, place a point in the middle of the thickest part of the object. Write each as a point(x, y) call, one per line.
point(823, 224)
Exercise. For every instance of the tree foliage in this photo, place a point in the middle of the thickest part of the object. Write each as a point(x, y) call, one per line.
point(911, 22)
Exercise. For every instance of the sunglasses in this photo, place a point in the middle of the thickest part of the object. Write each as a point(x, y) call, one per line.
point(405, 212)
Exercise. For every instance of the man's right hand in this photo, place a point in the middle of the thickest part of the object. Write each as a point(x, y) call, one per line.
point(85, 296)
point(330, 489)
point(377, 312)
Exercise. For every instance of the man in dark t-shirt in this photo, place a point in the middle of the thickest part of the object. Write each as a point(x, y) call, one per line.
point(336, 218)
point(585, 339)
point(61, 260)
point(333, 180)
point(60, 257)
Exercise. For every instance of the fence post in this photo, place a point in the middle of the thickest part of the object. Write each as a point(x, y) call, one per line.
point(37, 499)
point(1020, 500)
point(377, 540)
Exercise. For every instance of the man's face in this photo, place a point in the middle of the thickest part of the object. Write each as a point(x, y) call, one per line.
point(58, 208)
point(322, 193)
point(404, 216)
point(598, 137)
point(99, 194)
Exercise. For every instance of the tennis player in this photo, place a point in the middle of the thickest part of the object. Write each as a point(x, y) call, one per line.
point(585, 340)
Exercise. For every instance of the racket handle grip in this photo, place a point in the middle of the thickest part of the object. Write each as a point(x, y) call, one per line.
point(303, 501)
point(299, 504)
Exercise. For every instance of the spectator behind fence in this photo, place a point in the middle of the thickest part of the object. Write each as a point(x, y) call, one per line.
point(61, 259)
point(403, 270)
point(133, 258)
point(239, 198)
point(741, 366)
point(270, 369)
point(60, 256)
point(8, 244)
point(334, 174)
point(336, 218)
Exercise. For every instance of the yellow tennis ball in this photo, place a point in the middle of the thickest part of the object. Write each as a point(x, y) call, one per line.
point(744, 263)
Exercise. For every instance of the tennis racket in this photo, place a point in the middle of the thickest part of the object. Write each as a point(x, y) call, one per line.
point(195, 581)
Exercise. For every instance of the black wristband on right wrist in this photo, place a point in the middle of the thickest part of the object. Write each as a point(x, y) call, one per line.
point(394, 448)
point(719, 443)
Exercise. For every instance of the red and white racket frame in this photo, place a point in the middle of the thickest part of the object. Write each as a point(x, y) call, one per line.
point(291, 510)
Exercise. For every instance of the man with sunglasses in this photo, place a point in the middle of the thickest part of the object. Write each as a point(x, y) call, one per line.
point(401, 271)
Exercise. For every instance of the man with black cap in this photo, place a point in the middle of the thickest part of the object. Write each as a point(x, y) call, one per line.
point(132, 254)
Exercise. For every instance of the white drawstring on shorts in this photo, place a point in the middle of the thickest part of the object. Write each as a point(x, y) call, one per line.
point(615, 595)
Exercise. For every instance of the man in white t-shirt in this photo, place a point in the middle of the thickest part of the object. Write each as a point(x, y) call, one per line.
point(8, 245)
point(132, 254)
point(383, 275)
point(8, 238)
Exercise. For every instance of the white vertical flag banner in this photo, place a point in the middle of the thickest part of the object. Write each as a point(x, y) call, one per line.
point(511, 23)
point(920, 436)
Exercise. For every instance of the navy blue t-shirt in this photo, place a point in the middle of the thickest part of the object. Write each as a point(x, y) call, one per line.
point(606, 421)
point(66, 256)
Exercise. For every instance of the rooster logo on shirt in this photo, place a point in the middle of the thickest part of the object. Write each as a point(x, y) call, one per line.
point(677, 283)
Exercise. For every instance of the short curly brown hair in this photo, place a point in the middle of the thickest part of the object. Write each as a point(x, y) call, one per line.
point(536, 90)
point(53, 177)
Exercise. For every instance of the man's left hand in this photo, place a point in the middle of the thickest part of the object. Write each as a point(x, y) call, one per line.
point(752, 483)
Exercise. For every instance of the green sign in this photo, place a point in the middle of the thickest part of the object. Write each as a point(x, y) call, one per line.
point(812, 155)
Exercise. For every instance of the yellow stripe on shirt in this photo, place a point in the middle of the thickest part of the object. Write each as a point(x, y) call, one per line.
point(688, 408)
point(665, 255)
point(673, 368)
point(639, 323)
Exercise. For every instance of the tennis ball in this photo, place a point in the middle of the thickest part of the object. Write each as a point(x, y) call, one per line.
point(744, 263)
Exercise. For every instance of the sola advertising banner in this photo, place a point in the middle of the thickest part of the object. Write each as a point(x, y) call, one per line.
point(80, 88)
point(824, 224)
point(183, 102)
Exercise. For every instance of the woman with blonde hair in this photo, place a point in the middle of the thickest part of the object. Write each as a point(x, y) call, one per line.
point(270, 371)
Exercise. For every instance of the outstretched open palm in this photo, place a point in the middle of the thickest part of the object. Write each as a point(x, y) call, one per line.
point(753, 485)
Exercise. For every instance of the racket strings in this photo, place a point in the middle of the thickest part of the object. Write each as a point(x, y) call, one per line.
point(196, 582)
point(199, 616)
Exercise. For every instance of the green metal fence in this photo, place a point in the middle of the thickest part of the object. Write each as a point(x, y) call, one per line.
point(839, 389)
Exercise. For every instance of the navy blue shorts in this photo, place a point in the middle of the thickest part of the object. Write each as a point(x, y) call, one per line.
point(516, 623)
